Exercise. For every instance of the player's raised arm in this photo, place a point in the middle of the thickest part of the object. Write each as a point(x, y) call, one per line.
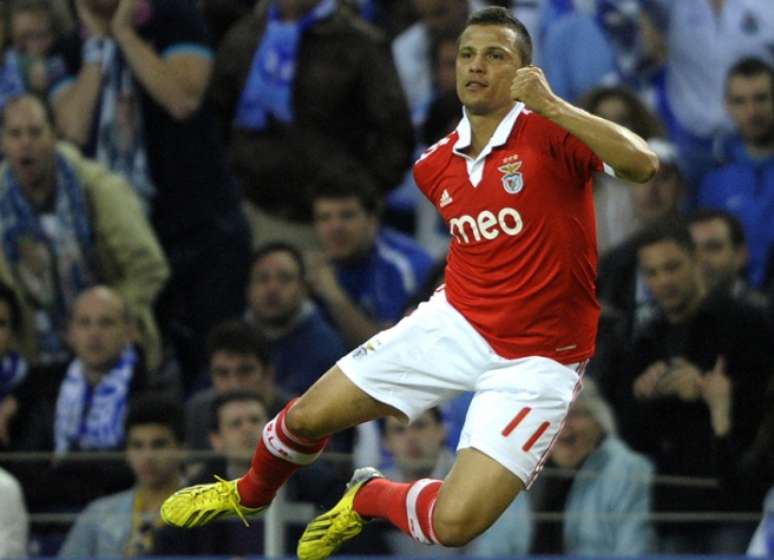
point(619, 147)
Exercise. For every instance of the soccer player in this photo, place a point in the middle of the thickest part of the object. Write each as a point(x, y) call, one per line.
point(515, 321)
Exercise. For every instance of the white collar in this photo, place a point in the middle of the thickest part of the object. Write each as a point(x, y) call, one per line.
point(500, 136)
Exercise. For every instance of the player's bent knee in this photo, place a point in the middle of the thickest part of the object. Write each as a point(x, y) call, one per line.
point(302, 420)
point(456, 530)
point(454, 535)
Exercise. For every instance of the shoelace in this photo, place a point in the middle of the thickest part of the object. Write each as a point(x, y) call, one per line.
point(225, 487)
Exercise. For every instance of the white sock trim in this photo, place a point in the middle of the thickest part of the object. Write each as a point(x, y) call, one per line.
point(411, 510)
point(279, 449)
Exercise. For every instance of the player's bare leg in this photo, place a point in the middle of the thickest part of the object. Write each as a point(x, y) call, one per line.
point(333, 404)
point(294, 438)
point(474, 495)
point(449, 513)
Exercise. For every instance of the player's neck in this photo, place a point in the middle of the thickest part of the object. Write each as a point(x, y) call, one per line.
point(482, 128)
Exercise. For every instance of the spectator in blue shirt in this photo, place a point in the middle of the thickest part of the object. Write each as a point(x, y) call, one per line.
point(744, 185)
point(302, 344)
point(366, 273)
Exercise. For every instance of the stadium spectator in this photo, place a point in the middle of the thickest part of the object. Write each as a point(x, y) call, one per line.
point(744, 185)
point(13, 367)
point(25, 413)
point(34, 26)
point(722, 255)
point(123, 524)
point(704, 38)
point(238, 357)
point(620, 285)
point(91, 406)
point(236, 421)
point(412, 50)
point(746, 473)
point(133, 96)
point(366, 273)
point(577, 53)
point(603, 493)
point(616, 217)
point(288, 118)
point(658, 397)
point(106, 373)
point(14, 521)
point(302, 343)
point(68, 223)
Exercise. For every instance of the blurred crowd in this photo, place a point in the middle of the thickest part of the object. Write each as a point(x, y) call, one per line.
point(203, 205)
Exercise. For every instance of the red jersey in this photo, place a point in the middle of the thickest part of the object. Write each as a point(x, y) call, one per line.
point(522, 260)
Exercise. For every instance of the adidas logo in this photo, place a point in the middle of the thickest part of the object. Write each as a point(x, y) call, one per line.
point(446, 199)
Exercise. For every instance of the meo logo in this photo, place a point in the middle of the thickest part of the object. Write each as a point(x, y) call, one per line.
point(486, 225)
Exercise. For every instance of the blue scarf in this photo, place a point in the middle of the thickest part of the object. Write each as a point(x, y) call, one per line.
point(51, 270)
point(269, 85)
point(121, 135)
point(93, 417)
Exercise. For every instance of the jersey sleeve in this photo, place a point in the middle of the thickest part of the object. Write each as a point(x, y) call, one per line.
point(581, 161)
point(428, 167)
point(574, 157)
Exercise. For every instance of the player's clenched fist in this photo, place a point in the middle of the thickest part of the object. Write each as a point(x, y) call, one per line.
point(531, 88)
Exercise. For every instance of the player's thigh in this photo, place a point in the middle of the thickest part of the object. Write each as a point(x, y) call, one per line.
point(517, 412)
point(474, 495)
point(428, 357)
point(334, 403)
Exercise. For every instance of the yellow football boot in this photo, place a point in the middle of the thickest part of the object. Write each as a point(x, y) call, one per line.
point(327, 532)
point(198, 505)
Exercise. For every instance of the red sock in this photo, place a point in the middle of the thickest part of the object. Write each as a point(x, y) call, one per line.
point(278, 455)
point(408, 506)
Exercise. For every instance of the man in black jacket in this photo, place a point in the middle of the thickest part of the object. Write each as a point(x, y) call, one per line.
point(659, 395)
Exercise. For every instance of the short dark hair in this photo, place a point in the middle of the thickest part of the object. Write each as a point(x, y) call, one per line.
point(239, 338)
point(735, 228)
point(748, 67)
point(495, 15)
point(348, 183)
point(8, 296)
point(669, 230)
point(280, 247)
point(47, 109)
point(156, 409)
point(236, 395)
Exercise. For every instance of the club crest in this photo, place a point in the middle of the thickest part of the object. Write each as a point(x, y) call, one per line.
point(512, 179)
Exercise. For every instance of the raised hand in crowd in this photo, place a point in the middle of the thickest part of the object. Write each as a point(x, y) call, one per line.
point(96, 24)
point(124, 17)
point(321, 277)
point(717, 391)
